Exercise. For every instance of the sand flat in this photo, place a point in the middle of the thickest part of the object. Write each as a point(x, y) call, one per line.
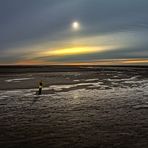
point(103, 109)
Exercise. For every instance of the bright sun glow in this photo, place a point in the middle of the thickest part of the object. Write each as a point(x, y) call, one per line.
point(75, 25)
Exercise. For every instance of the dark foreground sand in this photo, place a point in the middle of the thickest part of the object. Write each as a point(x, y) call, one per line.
point(105, 108)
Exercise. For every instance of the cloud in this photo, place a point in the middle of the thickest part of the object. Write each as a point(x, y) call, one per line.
point(31, 27)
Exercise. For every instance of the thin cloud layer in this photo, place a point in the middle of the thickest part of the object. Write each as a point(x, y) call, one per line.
point(31, 28)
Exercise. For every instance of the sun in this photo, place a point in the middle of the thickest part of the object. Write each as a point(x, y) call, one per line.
point(75, 25)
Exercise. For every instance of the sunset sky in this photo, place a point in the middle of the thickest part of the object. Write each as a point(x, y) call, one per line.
point(74, 32)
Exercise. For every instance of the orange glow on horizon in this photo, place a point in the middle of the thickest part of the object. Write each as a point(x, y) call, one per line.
point(136, 61)
point(97, 62)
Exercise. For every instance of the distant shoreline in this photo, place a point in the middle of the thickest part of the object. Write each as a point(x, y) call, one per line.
point(4, 69)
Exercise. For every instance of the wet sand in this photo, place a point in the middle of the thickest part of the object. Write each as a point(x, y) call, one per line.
point(104, 108)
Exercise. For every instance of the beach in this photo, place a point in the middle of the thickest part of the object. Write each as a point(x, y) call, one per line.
point(85, 106)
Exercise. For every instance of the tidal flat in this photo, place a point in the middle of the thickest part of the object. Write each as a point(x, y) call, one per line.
point(81, 107)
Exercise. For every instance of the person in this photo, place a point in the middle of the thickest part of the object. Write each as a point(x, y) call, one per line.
point(40, 88)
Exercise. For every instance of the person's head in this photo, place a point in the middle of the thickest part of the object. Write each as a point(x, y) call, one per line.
point(41, 83)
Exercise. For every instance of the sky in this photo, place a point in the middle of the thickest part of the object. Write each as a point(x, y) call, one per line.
point(42, 32)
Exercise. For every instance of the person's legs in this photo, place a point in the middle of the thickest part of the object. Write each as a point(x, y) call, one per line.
point(40, 91)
